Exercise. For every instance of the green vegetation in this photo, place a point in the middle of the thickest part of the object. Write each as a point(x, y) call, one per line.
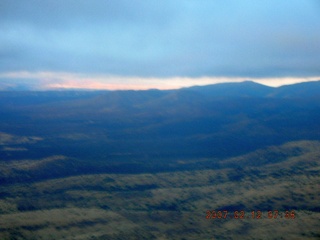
point(167, 205)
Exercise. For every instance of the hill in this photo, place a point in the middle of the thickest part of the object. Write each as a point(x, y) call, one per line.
point(272, 191)
point(161, 164)
point(241, 89)
point(194, 122)
point(299, 90)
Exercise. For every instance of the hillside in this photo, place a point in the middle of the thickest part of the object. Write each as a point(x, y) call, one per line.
point(156, 164)
point(176, 205)
point(193, 122)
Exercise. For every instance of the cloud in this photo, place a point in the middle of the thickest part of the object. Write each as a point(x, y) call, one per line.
point(161, 39)
point(63, 80)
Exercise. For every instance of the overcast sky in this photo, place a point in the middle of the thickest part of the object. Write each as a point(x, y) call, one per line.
point(158, 43)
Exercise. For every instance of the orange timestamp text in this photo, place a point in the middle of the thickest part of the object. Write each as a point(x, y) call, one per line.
point(241, 214)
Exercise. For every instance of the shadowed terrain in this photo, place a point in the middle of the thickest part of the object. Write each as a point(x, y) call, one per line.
point(156, 164)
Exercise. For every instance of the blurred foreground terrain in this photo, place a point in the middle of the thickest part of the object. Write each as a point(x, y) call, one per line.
point(224, 161)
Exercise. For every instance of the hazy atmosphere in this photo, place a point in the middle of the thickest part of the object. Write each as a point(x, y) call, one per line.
point(159, 120)
point(157, 44)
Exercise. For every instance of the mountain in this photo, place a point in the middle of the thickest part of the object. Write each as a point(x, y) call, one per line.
point(236, 159)
point(241, 89)
point(220, 120)
point(252, 89)
point(298, 90)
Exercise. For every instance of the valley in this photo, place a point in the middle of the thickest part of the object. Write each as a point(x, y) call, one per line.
point(156, 164)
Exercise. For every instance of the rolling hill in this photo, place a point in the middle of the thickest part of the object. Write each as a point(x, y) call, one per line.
point(221, 120)
point(161, 164)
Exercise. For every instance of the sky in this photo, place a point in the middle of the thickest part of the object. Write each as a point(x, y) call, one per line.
point(125, 44)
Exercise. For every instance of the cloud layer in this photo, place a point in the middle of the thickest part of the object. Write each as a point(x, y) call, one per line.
point(60, 80)
point(162, 39)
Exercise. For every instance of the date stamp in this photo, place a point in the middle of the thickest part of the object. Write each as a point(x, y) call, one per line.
point(241, 214)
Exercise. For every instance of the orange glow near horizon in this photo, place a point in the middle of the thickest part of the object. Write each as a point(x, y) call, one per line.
point(61, 80)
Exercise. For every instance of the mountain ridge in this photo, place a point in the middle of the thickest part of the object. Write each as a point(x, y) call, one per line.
point(228, 89)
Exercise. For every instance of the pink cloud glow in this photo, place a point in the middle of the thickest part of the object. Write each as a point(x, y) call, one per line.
point(61, 80)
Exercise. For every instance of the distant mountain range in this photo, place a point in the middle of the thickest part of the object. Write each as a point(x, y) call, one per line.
point(219, 120)
point(231, 89)
point(253, 89)
point(161, 164)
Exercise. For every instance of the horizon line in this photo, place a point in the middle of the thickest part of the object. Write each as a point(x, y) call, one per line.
point(64, 81)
